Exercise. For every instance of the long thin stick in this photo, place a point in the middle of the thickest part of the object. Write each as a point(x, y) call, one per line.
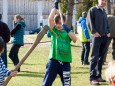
point(37, 41)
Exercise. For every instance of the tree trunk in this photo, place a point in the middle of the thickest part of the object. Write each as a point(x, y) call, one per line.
point(108, 7)
point(114, 8)
point(70, 12)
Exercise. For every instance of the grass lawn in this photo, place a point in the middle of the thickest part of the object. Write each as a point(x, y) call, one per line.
point(32, 71)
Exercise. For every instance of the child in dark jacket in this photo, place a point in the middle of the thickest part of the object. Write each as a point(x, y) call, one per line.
point(17, 39)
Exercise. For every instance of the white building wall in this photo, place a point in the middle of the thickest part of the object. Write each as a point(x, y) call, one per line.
point(5, 11)
point(39, 15)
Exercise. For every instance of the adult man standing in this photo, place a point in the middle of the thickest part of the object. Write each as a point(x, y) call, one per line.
point(5, 34)
point(97, 22)
point(111, 23)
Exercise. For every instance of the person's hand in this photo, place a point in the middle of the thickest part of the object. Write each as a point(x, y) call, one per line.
point(56, 4)
point(97, 34)
point(12, 35)
point(66, 28)
point(89, 40)
point(57, 1)
point(108, 35)
point(13, 73)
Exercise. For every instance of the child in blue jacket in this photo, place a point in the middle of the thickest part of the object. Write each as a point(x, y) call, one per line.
point(84, 36)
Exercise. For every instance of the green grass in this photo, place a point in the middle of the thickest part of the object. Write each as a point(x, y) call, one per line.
point(32, 71)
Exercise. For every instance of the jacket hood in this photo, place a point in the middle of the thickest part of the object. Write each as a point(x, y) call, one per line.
point(81, 19)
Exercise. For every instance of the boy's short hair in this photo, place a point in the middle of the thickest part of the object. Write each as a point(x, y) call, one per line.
point(84, 14)
point(1, 44)
point(57, 18)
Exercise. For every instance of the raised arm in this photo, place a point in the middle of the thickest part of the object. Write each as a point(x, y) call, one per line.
point(68, 30)
point(53, 13)
point(51, 17)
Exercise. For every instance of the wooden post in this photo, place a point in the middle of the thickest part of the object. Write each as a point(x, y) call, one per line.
point(70, 12)
point(39, 14)
point(5, 11)
point(114, 8)
point(37, 41)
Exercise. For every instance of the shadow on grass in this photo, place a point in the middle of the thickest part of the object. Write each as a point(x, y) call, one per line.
point(31, 74)
point(41, 74)
point(76, 46)
point(83, 68)
point(25, 64)
point(104, 83)
point(79, 72)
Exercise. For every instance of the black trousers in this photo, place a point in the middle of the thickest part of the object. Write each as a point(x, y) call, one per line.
point(14, 53)
point(85, 51)
point(55, 67)
point(98, 51)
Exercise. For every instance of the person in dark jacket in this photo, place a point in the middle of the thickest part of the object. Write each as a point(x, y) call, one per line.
point(111, 23)
point(98, 24)
point(17, 39)
point(5, 34)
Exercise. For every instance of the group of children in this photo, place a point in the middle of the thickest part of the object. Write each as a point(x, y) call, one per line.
point(60, 51)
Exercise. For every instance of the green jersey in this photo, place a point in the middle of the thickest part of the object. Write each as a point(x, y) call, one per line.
point(60, 48)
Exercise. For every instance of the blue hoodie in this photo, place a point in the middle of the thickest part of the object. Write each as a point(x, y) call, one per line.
point(82, 23)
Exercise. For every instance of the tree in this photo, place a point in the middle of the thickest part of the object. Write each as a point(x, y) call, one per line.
point(64, 6)
point(67, 8)
point(108, 7)
point(84, 5)
point(70, 12)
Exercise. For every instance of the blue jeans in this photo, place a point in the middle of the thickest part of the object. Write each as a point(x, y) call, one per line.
point(98, 51)
point(85, 51)
point(55, 67)
point(4, 55)
point(14, 53)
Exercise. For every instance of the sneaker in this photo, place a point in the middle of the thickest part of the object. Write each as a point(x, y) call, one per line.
point(94, 82)
point(86, 63)
point(101, 80)
point(19, 70)
point(82, 62)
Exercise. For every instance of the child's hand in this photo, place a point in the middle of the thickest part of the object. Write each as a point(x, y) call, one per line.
point(89, 40)
point(66, 28)
point(56, 4)
point(13, 73)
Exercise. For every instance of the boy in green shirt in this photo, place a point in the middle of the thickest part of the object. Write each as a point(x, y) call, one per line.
point(60, 51)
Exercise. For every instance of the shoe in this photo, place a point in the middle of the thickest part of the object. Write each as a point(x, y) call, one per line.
point(82, 62)
point(101, 80)
point(86, 63)
point(19, 70)
point(94, 82)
